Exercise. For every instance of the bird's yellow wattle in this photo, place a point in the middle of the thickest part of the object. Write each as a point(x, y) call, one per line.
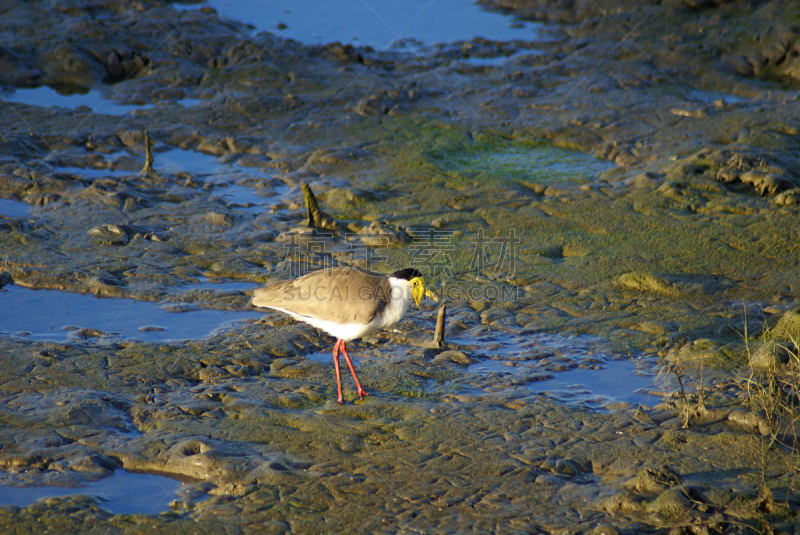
point(418, 290)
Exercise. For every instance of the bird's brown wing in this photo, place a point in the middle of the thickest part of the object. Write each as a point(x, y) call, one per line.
point(340, 295)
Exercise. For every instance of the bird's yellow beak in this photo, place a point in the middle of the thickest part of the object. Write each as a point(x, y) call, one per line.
point(418, 290)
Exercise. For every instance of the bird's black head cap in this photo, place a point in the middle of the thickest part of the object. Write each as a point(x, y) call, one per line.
point(407, 274)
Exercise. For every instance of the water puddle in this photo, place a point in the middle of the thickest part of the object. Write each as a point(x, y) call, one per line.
point(399, 24)
point(193, 162)
point(223, 286)
point(242, 198)
point(248, 189)
point(60, 316)
point(13, 208)
point(170, 161)
point(520, 161)
point(607, 383)
point(574, 370)
point(93, 99)
point(243, 188)
point(326, 357)
point(122, 493)
point(615, 380)
point(47, 96)
point(496, 61)
point(173, 161)
point(709, 97)
point(255, 198)
point(189, 102)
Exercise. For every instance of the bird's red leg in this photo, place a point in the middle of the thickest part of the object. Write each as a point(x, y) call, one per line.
point(336, 366)
point(361, 392)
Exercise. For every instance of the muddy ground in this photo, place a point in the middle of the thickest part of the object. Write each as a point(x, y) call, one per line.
point(678, 238)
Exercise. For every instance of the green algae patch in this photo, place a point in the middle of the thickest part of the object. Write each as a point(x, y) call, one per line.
point(493, 159)
point(431, 151)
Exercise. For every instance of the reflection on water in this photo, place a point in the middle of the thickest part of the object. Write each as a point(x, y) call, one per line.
point(223, 286)
point(170, 161)
point(12, 208)
point(56, 315)
point(122, 493)
point(610, 381)
point(495, 61)
point(709, 97)
point(245, 189)
point(571, 369)
point(47, 96)
point(389, 23)
point(192, 162)
point(93, 99)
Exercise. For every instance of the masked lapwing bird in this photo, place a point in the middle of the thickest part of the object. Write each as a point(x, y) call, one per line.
point(346, 303)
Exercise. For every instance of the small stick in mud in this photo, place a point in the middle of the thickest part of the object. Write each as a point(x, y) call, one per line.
point(148, 154)
point(317, 218)
point(438, 335)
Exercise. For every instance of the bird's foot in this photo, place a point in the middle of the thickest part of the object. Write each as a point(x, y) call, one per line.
point(361, 393)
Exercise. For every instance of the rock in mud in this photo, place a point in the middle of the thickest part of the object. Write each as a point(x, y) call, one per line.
point(456, 357)
point(785, 327)
point(788, 198)
point(671, 503)
point(770, 355)
point(744, 166)
point(382, 233)
point(108, 233)
point(66, 65)
point(654, 481)
point(218, 462)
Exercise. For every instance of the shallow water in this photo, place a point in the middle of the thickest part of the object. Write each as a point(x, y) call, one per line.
point(173, 160)
point(230, 180)
point(708, 97)
point(242, 198)
point(496, 61)
point(611, 381)
point(12, 208)
point(398, 24)
point(93, 99)
point(571, 370)
point(223, 286)
point(122, 493)
point(192, 162)
point(47, 96)
point(58, 316)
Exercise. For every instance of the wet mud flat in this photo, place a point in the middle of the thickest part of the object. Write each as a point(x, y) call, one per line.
point(638, 166)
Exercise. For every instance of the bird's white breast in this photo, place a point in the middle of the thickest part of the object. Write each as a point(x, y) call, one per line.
point(400, 299)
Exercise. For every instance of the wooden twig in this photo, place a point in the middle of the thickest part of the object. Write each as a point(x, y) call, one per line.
point(317, 218)
point(148, 154)
point(438, 335)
